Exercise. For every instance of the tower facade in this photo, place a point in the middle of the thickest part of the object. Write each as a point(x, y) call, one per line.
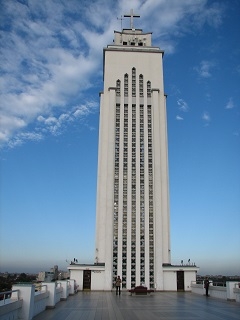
point(132, 220)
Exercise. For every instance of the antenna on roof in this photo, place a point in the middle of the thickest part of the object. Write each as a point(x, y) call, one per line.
point(121, 20)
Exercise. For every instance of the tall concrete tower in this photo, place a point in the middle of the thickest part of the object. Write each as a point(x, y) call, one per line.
point(132, 227)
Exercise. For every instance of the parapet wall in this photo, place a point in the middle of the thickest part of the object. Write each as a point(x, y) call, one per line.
point(25, 301)
point(229, 292)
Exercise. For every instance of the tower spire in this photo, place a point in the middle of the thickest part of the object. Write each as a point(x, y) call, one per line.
point(131, 15)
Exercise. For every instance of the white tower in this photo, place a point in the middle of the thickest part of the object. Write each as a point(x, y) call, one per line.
point(132, 228)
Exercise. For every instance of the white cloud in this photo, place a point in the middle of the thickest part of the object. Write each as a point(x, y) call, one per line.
point(174, 17)
point(204, 70)
point(183, 106)
point(206, 117)
point(52, 52)
point(56, 124)
point(22, 137)
point(179, 118)
point(212, 15)
point(229, 104)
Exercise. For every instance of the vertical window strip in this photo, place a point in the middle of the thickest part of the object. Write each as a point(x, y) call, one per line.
point(142, 198)
point(125, 191)
point(116, 192)
point(141, 85)
point(118, 85)
point(133, 213)
point(151, 221)
point(126, 85)
point(134, 82)
point(149, 92)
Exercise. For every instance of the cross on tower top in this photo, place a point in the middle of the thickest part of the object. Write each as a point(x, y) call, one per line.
point(131, 16)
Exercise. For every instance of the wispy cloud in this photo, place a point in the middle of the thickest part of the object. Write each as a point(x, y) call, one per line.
point(177, 17)
point(22, 137)
point(204, 69)
point(44, 68)
point(52, 57)
point(229, 104)
point(183, 106)
point(212, 15)
point(179, 118)
point(206, 118)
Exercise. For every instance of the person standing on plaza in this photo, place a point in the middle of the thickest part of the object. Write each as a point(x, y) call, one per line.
point(206, 285)
point(118, 285)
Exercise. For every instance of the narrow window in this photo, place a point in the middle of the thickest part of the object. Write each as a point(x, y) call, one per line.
point(126, 85)
point(134, 82)
point(118, 83)
point(141, 85)
point(149, 94)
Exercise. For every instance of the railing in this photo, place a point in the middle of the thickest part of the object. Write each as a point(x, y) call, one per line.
point(7, 296)
point(226, 291)
point(10, 305)
point(27, 300)
point(40, 299)
point(219, 284)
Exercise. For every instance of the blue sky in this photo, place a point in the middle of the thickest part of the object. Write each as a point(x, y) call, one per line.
point(51, 75)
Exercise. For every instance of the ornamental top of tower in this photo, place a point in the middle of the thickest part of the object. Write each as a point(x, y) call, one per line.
point(132, 37)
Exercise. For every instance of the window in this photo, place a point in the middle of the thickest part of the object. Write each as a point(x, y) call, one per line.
point(126, 85)
point(118, 83)
point(149, 94)
point(141, 85)
point(133, 82)
point(150, 195)
point(116, 187)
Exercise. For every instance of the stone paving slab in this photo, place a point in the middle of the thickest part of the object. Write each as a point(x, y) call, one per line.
point(157, 306)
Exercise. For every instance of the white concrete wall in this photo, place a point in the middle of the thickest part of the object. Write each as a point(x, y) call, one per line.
point(59, 291)
point(230, 292)
point(236, 292)
point(170, 281)
point(25, 303)
point(40, 302)
point(78, 276)
point(170, 277)
point(197, 288)
point(26, 292)
point(189, 276)
point(10, 310)
point(218, 292)
point(97, 280)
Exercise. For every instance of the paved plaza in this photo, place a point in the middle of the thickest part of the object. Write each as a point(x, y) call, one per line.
point(157, 306)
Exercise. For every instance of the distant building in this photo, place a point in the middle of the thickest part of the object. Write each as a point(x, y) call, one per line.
point(62, 275)
point(53, 274)
point(45, 276)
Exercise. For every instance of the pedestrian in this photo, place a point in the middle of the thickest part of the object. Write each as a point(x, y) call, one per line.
point(118, 285)
point(206, 285)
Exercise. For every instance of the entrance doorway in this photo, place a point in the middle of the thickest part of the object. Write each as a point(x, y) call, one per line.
point(180, 280)
point(86, 279)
